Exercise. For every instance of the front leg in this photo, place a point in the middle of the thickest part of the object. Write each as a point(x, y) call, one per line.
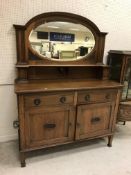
point(110, 138)
point(124, 122)
point(22, 159)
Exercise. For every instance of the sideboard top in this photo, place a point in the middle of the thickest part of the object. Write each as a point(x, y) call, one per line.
point(124, 52)
point(48, 86)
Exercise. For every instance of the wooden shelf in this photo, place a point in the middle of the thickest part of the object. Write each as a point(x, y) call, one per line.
point(58, 65)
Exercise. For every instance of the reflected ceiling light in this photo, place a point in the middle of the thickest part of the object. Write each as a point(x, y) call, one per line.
point(61, 22)
point(54, 27)
point(74, 29)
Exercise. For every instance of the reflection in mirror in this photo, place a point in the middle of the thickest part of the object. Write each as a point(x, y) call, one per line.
point(62, 40)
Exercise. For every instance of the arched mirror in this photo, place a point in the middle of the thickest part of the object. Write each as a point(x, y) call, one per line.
point(59, 38)
point(62, 40)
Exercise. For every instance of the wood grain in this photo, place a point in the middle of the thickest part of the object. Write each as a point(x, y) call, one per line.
point(62, 102)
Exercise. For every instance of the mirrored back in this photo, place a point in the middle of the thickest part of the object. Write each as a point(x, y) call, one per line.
point(62, 41)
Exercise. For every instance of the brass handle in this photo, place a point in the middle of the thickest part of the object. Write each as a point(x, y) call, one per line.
point(37, 101)
point(78, 124)
point(95, 120)
point(70, 124)
point(107, 96)
point(49, 125)
point(87, 97)
point(63, 99)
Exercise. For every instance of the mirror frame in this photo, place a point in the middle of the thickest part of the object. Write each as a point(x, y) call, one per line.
point(27, 55)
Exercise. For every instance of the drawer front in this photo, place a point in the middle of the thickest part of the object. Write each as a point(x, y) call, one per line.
point(124, 113)
point(96, 96)
point(50, 99)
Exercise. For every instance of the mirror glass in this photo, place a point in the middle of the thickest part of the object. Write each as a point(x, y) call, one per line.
point(60, 40)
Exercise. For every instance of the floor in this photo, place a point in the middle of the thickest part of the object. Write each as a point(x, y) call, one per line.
point(92, 158)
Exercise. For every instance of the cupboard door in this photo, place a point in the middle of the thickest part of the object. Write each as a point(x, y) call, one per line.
point(49, 126)
point(93, 120)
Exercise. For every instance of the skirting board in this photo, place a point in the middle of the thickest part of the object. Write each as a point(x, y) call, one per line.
point(8, 138)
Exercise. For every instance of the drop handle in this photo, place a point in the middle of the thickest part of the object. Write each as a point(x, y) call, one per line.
point(78, 124)
point(49, 125)
point(107, 96)
point(95, 120)
point(70, 124)
point(63, 99)
point(87, 97)
point(37, 101)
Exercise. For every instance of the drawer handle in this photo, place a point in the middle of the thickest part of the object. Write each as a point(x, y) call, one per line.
point(49, 125)
point(107, 96)
point(37, 101)
point(87, 97)
point(95, 120)
point(78, 124)
point(63, 99)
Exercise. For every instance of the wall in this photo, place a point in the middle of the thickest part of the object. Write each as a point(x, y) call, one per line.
point(113, 16)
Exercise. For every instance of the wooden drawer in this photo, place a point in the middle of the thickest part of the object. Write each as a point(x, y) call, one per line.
point(49, 99)
point(124, 113)
point(96, 96)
